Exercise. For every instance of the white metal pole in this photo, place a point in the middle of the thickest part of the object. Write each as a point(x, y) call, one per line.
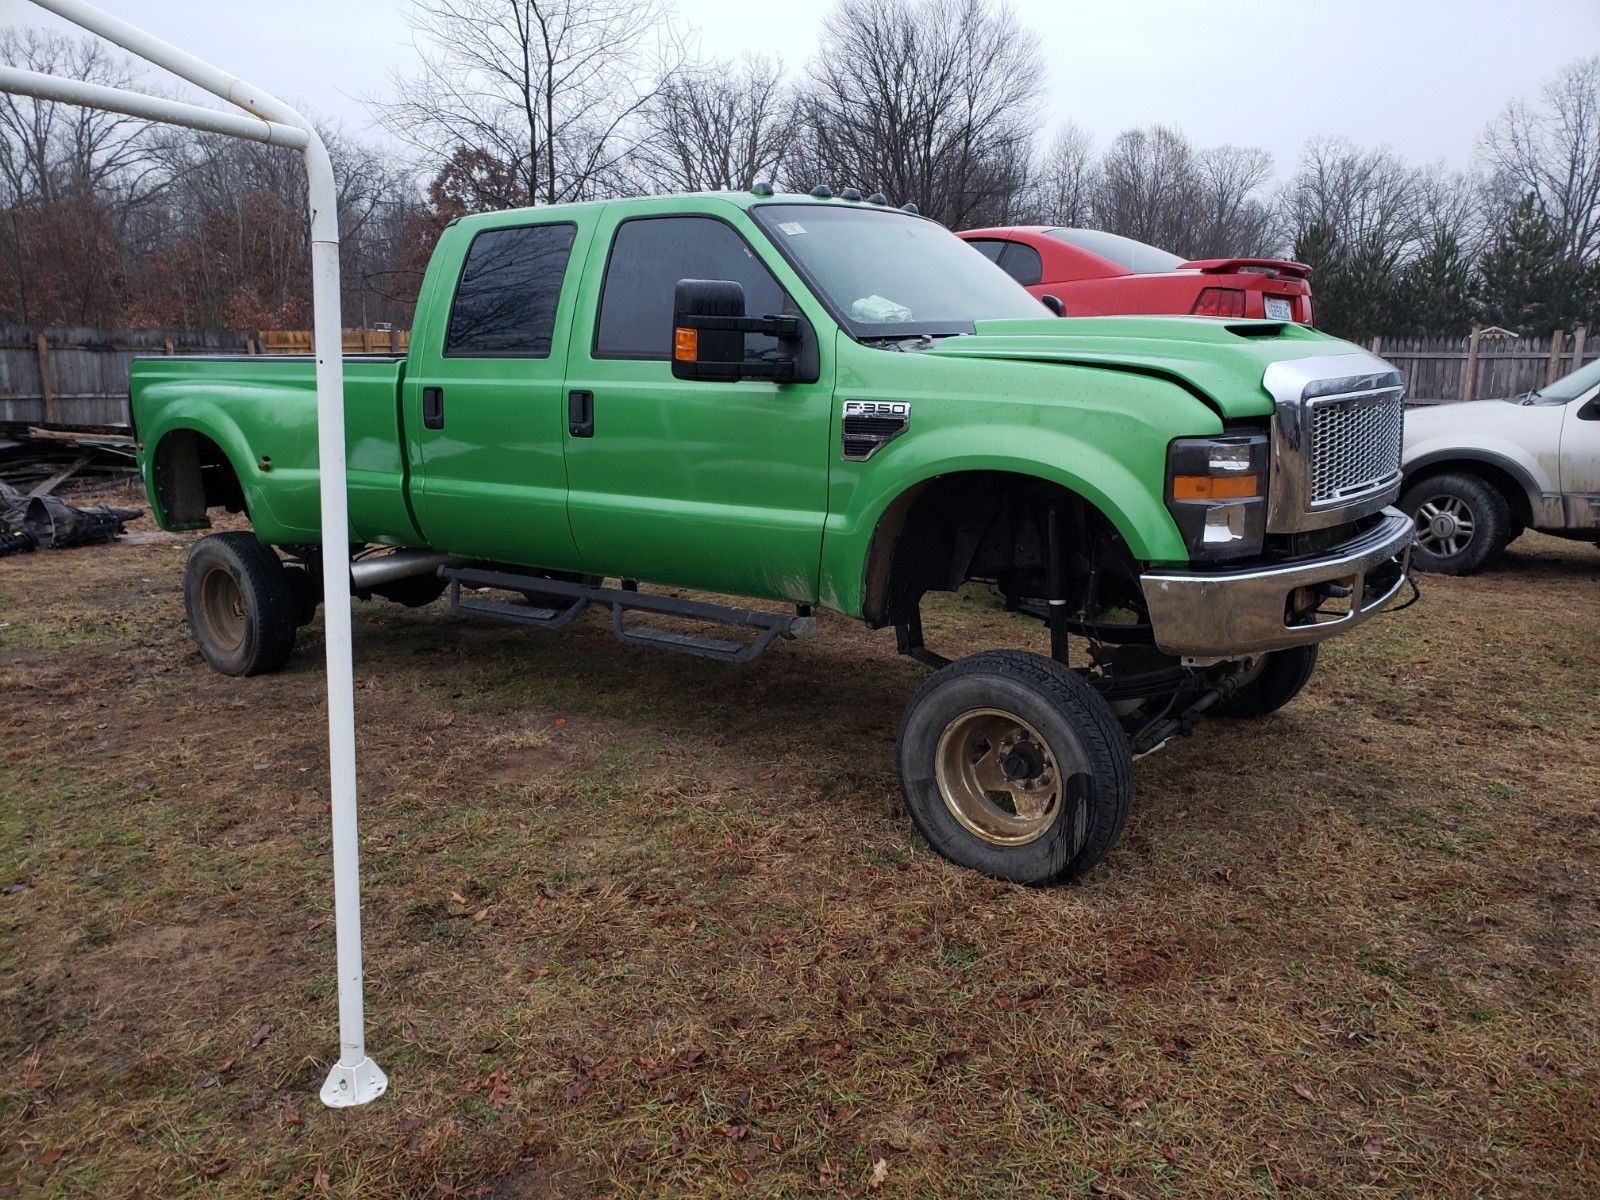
point(355, 1078)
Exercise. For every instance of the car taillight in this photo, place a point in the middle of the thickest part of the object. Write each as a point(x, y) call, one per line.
point(1219, 302)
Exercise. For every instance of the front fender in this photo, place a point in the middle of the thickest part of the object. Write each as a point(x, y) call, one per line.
point(1134, 507)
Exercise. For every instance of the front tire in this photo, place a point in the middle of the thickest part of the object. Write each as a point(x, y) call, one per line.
point(1278, 679)
point(242, 607)
point(1013, 766)
point(1463, 522)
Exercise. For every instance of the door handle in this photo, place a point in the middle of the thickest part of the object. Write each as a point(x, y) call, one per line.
point(432, 408)
point(580, 414)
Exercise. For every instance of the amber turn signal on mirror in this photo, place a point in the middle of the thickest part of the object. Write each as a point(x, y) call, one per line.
point(686, 344)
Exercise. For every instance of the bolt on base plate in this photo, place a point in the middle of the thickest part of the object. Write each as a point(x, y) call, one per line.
point(348, 1086)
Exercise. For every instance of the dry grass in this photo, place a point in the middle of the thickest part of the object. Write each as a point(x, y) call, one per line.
point(640, 925)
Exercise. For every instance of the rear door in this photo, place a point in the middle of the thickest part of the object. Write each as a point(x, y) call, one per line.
point(484, 405)
point(714, 485)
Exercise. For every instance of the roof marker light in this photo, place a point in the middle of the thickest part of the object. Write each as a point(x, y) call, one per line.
point(822, 192)
point(761, 188)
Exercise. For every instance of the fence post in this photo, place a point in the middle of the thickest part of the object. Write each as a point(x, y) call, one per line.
point(47, 406)
point(1552, 370)
point(1579, 335)
point(1469, 378)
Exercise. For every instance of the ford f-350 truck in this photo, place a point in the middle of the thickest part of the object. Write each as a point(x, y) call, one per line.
point(822, 401)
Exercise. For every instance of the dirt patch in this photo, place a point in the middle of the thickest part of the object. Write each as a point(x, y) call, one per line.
point(639, 925)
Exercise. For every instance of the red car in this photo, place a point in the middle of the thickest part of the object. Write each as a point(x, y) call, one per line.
point(1097, 274)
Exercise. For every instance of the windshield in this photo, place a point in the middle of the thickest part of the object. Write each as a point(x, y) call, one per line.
point(889, 274)
point(1570, 387)
point(1133, 257)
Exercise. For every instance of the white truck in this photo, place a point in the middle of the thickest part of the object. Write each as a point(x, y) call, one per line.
point(1479, 472)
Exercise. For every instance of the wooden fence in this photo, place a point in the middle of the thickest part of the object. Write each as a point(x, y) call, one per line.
point(1483, 366)
point(78, 378)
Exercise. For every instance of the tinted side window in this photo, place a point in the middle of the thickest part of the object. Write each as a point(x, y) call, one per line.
point(989, 248)
point(1022, 263)
point(510, 286)
point(648, 257)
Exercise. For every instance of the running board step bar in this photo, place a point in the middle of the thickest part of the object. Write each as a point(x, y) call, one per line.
point(555, 603)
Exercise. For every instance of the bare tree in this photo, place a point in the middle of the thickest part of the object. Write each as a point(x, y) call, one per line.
point(1062, 187)
point(1236, 218)
point(1148, 187)
point(70, 180)
point(924, 100)
point(1553, 153)
point(543, 94)
point(1362, 196)
point(718, 127)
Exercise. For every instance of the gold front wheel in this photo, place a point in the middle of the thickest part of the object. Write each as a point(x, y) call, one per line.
point(997, 777)
point(1013, 765)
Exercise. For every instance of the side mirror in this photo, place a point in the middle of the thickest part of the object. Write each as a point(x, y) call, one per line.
point(708, 331)
point(1053, 303)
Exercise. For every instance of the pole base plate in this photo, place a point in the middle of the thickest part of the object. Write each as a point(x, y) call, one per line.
point(348, 1086)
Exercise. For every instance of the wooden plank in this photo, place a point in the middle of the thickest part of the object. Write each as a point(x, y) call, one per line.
point(1552, 370)
point(42, 348)
point(1469, 381)
point(61, 476)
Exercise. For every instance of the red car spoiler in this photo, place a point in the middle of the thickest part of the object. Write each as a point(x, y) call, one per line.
point(1222, 266)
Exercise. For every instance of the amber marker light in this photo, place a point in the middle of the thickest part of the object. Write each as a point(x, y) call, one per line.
point(1216, 487)
point(686, 344)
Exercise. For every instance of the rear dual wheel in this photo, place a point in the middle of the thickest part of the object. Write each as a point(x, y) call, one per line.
point(243, 608)
point(1013, 766)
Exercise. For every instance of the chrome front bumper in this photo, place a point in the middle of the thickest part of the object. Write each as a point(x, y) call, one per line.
point(1226, 613)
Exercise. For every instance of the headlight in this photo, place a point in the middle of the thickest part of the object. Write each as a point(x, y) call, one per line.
point(1217, 493)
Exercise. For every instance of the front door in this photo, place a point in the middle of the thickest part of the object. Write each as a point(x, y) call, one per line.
point(484, 405)
point(720, 486)
point(1580, 460)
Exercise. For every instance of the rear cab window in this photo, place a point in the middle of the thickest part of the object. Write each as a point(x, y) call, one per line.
point(509, 290)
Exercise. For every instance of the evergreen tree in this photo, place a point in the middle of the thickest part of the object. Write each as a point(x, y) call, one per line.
point(1354, 289)
point(1318, 246)
point(1526, 281)
point(1435, 293)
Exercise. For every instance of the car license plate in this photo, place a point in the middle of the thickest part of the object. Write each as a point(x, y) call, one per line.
point(1279, 309)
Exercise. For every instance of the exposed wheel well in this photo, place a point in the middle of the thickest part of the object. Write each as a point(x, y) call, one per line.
point(991, 526)
point(193, 475)
point(1502, 480)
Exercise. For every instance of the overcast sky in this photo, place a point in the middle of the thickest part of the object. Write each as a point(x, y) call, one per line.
point(1421, 75)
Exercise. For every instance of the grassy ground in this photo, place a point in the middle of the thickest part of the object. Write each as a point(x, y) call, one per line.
point(639, 925)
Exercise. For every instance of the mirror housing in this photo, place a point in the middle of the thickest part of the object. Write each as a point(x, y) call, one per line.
point(1053, 303)
point(708, 331)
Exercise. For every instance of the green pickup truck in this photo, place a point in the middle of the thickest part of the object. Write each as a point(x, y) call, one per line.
point(822, 401)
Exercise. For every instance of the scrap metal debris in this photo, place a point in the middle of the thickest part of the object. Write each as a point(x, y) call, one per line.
point(35, 466)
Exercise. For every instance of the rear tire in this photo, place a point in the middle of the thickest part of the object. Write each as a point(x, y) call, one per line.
point(1013, 766)
point(242, 607)
point(1463, 522)
point(1281, 677)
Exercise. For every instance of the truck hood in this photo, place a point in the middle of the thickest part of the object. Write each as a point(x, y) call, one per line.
point(1220, 361)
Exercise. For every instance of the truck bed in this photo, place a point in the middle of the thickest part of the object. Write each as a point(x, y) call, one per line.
point(260, 411)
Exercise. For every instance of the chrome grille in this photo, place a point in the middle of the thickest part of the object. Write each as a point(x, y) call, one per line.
point(1355, 446)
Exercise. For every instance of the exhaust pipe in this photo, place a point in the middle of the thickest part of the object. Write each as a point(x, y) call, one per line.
point(368, 573)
